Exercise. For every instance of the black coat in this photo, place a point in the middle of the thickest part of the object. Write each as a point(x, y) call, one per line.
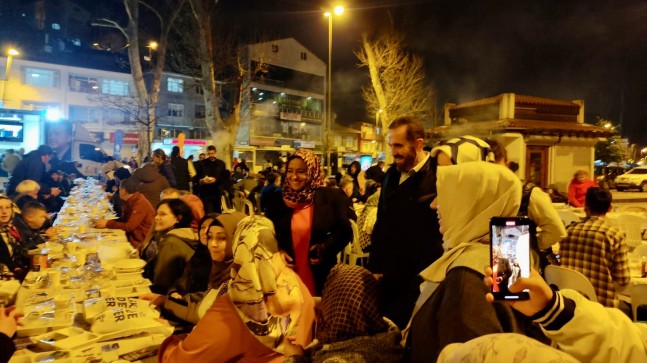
point(181, 169)
point(31, 167)
point(405, 238)
point(214, 168)
point(330, 227)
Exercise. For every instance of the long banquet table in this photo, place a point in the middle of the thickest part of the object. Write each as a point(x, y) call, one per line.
point(81, 304)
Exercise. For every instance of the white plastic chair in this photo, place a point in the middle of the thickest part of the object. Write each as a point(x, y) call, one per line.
point(565, 278)
point(353, 250)
point(633, 209)
point(243, 205)
point(568, 217)
point(224, 201)
point(633, 225)
point(641, 250)
point(638, 298)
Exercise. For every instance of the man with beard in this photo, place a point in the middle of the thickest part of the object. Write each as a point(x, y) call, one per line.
point(405, 238)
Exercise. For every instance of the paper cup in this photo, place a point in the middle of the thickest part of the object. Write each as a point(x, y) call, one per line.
point(61, 301)
point(54, 277)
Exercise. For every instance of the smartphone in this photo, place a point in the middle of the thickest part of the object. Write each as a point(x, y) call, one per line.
point(509, 255)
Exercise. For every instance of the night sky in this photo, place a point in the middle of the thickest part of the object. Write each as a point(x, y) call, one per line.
point(578, 49)
point(591, 50)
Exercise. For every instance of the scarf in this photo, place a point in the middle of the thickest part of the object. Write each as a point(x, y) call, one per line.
point(464, 149)
point(304, 197)
point(469, 195)
point(349, 305)
point(258, 274)
point(221, 270)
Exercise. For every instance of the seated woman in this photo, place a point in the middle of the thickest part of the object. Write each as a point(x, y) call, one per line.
point(577, 188)
point(172, 244)
point(469, 194)
point(351, 326)
point(216, 234)
point(265, 303)
point(13, 254)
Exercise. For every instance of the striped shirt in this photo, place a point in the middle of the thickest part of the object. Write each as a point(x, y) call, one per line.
point(599, 252)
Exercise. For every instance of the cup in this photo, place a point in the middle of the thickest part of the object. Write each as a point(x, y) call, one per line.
point(54, 277)
point(79, 257)
point(61, 301)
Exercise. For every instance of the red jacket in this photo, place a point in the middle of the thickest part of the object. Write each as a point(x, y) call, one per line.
point(136, 220)
point(577, 192)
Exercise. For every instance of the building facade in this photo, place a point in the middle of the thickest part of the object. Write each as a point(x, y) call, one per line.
point(546, 137)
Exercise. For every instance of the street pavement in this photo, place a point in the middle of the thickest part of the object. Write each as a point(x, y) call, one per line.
point(629, 198)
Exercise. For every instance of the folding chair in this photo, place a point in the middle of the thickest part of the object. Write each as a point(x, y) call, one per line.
point(565, 278)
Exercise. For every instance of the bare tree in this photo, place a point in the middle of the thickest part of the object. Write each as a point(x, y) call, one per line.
point(166, 12)
point(398, 87)
point(222, 58)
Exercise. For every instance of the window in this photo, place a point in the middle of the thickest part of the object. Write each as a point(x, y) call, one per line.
point(275, 48)
point(304, 56)
point(198, 89)
point(40, 77)
point(83, 84)
point(115, 87)
point(174, 85)
point(199, 111)
point(85, 114)
point(175, 110)
point(56, 26)
point(112, 117)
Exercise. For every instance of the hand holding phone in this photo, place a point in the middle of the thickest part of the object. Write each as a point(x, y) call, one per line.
point(509, 255)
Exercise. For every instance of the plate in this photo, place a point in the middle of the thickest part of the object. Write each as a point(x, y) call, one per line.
point(132, 264)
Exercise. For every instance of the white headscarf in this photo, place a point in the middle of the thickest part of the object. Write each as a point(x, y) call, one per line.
point(469, 194)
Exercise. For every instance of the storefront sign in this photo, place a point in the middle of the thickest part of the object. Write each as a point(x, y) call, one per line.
point(187, 142)
point(130, 138)
point(261, 141)
point(304, 144)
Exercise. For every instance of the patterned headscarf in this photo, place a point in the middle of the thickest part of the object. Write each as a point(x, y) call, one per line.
point(256, 274)
point(315, 180)
point(349, 305)
point(465, 148)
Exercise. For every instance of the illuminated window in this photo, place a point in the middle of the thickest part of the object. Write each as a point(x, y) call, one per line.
point(83, 84)
point(175, 85)
point(40, 77)
point(115, 87)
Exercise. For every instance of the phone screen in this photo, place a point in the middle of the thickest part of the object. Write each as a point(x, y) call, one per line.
point(509, 255)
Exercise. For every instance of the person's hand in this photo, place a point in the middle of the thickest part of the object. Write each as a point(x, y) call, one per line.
point(101, 223)
point(289, 261)
point(540, 292)
point(319, 248)
point(51, 232)
point(155, 299)
point(378, 276)
point(290, 349)
point(9, 320)
point(176, 295)
point(55, 192)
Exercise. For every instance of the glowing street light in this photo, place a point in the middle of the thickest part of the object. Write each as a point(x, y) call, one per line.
point(337, 10)
point(152, 45)
point(11, 52)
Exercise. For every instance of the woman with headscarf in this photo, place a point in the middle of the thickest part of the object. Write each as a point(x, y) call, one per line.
point(265, 304)
point(312, 222)
point(207, 271)
point(452, 293)
point(351, 327)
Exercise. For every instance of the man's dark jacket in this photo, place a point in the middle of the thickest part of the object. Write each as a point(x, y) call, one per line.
point(181, 169)
point(405, 238)
point(30, 167)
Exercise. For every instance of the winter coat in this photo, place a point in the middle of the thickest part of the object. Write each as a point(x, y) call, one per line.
point(181, 169)
point(175, 249)
point(10, 163)
point(167, 170)
point(150, 183)
point(137, 219)
point(31, 167)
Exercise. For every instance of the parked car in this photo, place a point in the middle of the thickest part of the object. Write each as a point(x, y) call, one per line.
point(635, 178)
point(606, 175)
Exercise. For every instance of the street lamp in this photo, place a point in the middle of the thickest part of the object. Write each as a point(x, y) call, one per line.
point(10, 54)
point(152, 45)
point(338, 10)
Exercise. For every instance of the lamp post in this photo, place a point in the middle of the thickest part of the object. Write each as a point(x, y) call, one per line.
point(152, 45)
point(10, 54)
point(338, 10)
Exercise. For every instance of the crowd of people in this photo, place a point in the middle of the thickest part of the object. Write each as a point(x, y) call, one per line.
point(241, 287)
